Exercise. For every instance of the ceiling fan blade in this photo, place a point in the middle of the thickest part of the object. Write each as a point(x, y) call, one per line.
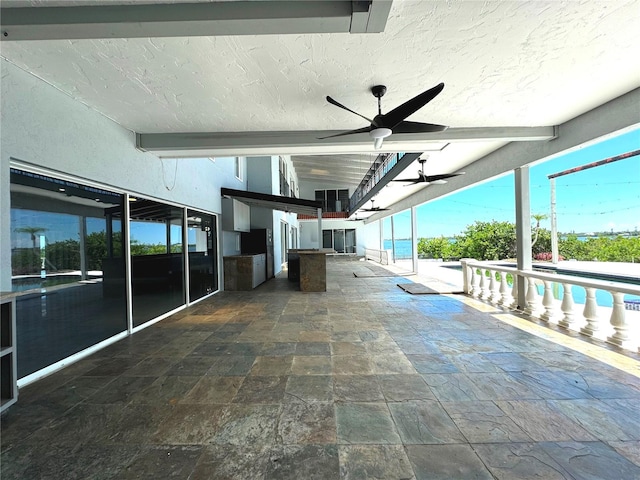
point(434, 178)
point(338, 104)
point(414, 180)
point(350, 132)
point(398, 114)
point(418, 127)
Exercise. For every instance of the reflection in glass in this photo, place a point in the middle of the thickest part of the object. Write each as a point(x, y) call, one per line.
point(67, 263)
point(157, 259)
point(202, 247)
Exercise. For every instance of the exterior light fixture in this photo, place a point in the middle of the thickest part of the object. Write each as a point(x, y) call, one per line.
point(379, 134)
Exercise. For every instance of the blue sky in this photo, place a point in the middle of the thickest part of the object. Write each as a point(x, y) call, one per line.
point(603, 198)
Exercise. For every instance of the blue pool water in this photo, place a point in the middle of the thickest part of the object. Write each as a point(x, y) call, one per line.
point(603, 298)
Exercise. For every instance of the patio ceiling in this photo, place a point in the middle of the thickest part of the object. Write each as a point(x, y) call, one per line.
point(512, 71)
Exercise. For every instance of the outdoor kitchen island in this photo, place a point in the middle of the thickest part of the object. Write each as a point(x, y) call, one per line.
point(309, 268)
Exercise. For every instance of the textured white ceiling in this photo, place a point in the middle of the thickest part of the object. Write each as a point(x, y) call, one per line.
point(504, 63)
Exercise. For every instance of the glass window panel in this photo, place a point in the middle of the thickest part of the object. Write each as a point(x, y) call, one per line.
point(343, 197)
point(68, 265)
point(327, 239)
point(157, 261)
point(203, 250)
point(350, 241)
point(331, 200)
point(338, 241)
point(320, 197)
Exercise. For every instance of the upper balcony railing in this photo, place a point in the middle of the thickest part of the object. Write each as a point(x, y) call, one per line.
point(382, 165)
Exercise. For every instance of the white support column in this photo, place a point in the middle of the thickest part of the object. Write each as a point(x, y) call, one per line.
point(414, 240)
point(393, 243)
point(319, 228)
point(185, 250)
point(554, 223)
point(523, 229)
point(126, 230)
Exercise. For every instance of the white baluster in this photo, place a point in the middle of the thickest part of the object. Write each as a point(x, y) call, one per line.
point(531, 297)
point(547, 302)
point(514, 292)
point(470, 275)
point(486, 292)
point(475, 280)
point(567, 307)
point(618, 320)
point(482, 286)
point(590, 313)
point(505, 301)
point(493, 288)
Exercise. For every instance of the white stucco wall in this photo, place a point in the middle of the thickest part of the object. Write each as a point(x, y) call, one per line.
point(45, 128)
point(263, 177)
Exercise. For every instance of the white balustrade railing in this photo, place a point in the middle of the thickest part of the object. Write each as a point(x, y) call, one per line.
point(488, 282)
point(380, 256)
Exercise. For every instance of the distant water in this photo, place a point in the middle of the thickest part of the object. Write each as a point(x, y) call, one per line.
point(403, 248)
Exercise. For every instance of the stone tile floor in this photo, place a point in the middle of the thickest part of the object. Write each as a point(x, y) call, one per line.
point(362, 382)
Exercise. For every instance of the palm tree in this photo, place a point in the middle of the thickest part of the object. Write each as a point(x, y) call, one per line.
point(538, 217)
point(32, 231)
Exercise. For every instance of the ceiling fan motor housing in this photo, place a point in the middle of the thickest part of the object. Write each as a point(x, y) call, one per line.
point(378, 90)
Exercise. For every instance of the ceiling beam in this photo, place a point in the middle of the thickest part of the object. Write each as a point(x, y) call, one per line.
point(193, 19)
point(370, 17)
point(176, 145)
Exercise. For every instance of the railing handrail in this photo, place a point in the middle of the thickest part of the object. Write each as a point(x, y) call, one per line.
point(561, 278)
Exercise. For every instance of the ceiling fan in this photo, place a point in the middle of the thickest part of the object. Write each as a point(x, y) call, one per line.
point(373, 209)
point(423, 178)
point(394, 121)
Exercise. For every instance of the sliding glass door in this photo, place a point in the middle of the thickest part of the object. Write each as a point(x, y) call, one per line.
point(67, 267)
point(341, 240)
point(202, 239)
point(157, 258)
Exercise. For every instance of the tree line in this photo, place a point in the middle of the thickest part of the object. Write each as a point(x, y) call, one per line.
point(497, 241)
point(65, 254)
